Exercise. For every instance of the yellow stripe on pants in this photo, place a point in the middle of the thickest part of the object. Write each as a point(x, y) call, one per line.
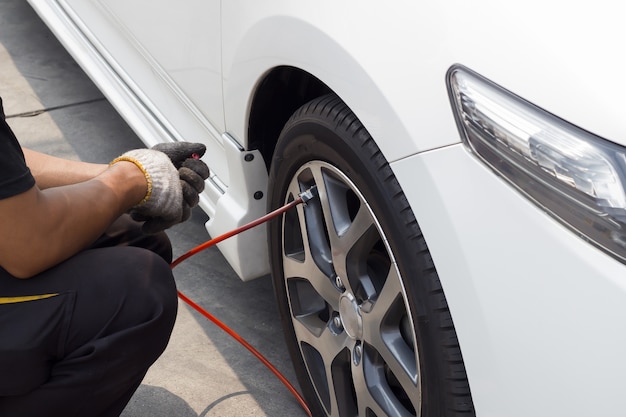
point(24, 298)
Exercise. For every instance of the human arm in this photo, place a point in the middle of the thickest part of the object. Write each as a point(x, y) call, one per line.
point(41, 228)
point(74, 202)
point(50, 171)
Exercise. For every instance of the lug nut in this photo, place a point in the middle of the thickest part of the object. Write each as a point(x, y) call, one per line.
point(357, 354)
point(339, 283)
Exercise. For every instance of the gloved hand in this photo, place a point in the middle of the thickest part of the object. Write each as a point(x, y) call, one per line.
point(186, 158)
point(173, 183)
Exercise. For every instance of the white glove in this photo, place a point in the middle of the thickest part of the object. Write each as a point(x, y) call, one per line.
point(162, 206)
point(192, 171)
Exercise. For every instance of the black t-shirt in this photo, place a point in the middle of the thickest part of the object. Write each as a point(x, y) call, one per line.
point(15, 177)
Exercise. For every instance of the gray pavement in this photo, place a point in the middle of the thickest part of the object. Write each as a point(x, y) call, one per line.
point(54, 108)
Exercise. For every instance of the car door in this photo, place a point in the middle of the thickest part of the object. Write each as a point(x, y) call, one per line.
point(168, 52)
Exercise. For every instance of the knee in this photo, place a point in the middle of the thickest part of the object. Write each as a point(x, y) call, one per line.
point(157, 296)
point(138, 286)
point(153, 280)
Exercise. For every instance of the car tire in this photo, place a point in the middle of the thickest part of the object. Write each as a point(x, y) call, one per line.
point(365, 318)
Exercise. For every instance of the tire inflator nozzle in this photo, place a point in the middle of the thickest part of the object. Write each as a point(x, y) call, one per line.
point(309, 194)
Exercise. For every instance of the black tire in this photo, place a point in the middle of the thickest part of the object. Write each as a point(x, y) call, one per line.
point(383, 332)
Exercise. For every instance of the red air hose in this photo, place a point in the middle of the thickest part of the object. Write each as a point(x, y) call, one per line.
point(303, 198)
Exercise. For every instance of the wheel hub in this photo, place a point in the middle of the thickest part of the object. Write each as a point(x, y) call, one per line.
point(350, 314)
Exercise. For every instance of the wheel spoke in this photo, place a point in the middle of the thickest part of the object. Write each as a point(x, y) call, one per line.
point(379, 396)
point(327, 199)
point(314, 223)
point(351, 245)
point(392, 289)
point(326, 343)
point(364, 397)
point(392, 342)
point(361, 224)
point(373, 391)
point(322, 356)
point(396, 349)
point(304, 260)
point(365, 402)
point(318, 280)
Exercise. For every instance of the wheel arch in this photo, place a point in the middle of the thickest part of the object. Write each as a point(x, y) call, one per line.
point(276, 63)
point(280, 93)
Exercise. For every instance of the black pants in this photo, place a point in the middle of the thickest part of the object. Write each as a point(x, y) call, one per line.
point(77, 339)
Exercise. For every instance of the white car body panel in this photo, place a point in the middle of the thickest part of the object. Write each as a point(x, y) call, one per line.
point(537, 310)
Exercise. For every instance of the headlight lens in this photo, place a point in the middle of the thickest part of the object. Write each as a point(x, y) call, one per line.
point(576, 176)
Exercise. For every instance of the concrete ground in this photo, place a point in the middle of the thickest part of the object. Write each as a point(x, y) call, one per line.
point(53, 107)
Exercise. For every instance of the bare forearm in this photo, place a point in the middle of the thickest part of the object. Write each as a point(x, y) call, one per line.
point(50, 171)
point(49, 226)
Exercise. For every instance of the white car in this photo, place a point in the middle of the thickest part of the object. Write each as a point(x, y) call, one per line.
point(464, 253)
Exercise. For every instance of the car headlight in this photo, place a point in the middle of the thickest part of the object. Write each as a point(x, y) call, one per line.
point(574, 175)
